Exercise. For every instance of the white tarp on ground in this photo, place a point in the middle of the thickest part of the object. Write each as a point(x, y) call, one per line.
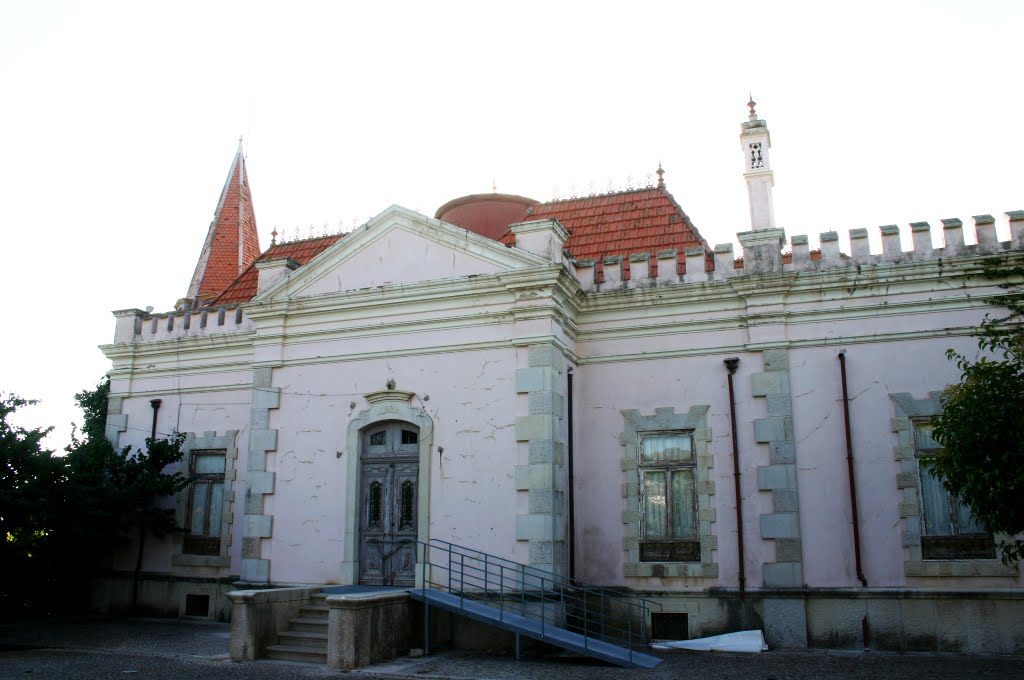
point(742, 641)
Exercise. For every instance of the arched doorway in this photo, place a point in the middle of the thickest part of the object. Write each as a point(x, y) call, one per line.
point(389, 461)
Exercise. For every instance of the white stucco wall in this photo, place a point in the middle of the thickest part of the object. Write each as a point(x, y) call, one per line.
point(398, 257)
point(471, 398)
point(457, 342)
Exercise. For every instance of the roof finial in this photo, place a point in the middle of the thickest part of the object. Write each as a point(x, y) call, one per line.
point(273, 237)
point(494, 185)
point(661, 176)
point(752, 104)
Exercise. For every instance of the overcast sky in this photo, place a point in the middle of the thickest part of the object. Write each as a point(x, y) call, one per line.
point(119, 121)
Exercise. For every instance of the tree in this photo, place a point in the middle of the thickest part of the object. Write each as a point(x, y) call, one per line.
point(143, 482)
point(58, 511)
point(28, 476)
point(981, 427)
point(120, 490)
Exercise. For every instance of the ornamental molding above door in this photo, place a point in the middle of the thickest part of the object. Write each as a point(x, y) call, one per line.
point(385, 405)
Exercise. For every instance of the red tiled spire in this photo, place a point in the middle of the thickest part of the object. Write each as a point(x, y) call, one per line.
point(232, 243)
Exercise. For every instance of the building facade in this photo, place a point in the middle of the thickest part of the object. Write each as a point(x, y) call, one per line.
point(586, 386)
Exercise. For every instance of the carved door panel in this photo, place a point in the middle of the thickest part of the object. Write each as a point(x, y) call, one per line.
point(388, 504)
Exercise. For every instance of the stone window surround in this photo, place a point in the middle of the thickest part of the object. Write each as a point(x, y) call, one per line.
point(212, 442)
point(908, 482)
point(664, 420)
point(385, 406)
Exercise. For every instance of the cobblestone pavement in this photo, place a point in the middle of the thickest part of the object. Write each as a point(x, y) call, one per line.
point(172, 649)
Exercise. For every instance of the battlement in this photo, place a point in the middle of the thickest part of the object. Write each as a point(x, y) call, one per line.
point(695, 265)
point(136, 325)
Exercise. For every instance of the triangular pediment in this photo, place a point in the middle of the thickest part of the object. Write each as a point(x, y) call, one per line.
point(400, 247)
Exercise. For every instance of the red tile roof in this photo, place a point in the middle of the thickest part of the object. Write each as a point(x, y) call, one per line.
point(625, 223)
point(640, 221)
point(243, 288)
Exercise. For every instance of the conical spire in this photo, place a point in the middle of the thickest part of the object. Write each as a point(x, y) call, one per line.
point(232, 243)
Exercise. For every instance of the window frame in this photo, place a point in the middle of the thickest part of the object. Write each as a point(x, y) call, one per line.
point(206, 441)
point(906, 409)
point(644, 574)
point(191, 542)
point(958, 544)
point(669, 468)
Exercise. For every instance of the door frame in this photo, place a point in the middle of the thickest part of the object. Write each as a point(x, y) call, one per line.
point(385, 405)
point(391, 469)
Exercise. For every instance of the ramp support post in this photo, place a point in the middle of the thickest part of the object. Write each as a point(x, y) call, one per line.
point(426, 629)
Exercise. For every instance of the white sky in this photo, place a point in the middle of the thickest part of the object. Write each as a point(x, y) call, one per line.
point(118, 122)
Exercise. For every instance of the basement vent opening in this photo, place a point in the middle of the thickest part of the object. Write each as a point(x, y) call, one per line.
point(197, 605)
point(670, 626)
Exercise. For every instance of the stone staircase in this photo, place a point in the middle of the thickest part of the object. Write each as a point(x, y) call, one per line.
point(306, 637)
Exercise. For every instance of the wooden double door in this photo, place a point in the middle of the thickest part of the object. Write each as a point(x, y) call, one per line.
point(389, 500)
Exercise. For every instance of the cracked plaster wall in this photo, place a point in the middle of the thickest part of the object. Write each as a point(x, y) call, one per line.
point(602, 393)
point(874, 371)
point(471, 399)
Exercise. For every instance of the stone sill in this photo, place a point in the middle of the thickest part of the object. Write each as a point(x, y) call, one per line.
point(962, 568)
point(183, 560)
point(670, 570)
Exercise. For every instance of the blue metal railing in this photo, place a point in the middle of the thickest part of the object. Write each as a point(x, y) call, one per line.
point(542, 596)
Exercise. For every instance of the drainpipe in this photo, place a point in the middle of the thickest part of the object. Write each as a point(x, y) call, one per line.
point(731, 365)
point(137, 574)
point(155, 403)
point(849, 467)
point(571, 529)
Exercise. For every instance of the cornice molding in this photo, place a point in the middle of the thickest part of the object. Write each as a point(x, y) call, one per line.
point(822, 341)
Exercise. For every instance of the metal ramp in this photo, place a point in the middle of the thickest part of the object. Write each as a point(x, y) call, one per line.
point(598, 622)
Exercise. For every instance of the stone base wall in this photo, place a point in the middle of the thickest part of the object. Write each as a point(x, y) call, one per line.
point(893, 620)
point(368, 628)
point(162, 595)
point(258, 615)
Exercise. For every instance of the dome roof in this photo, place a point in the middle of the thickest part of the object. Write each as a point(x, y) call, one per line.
point(486, 214)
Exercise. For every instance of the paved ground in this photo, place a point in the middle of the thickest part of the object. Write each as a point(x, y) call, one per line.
point(171, 649)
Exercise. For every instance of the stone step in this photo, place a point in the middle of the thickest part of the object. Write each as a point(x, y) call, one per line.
point(290, 653)
point(309, 625)
point(314, 612)
point(298, 638)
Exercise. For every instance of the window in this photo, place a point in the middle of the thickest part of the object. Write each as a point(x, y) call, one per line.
point(205, 503)
point(948, 529)
point(668, 498)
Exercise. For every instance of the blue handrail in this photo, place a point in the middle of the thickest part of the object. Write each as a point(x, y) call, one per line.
point(544, 596)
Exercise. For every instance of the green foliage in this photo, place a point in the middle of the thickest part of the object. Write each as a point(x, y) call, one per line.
point(981, 428)
point(28, 475)
point(58, 513)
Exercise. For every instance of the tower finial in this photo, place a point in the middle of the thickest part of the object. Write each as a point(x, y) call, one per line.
point(752, 104)
point(661, 176)
point(494, 185)
point(273, 237)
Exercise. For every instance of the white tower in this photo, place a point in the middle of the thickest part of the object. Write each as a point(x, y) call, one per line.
point(760, 179)
point(762, 245)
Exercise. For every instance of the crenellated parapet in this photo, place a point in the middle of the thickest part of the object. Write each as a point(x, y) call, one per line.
point(137, 326)
point(696, 265)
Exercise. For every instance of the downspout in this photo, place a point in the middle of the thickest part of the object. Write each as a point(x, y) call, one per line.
point(155, 403)
point(731, 365)
point(849, 467)
point(571, 529)
point(137, 575)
